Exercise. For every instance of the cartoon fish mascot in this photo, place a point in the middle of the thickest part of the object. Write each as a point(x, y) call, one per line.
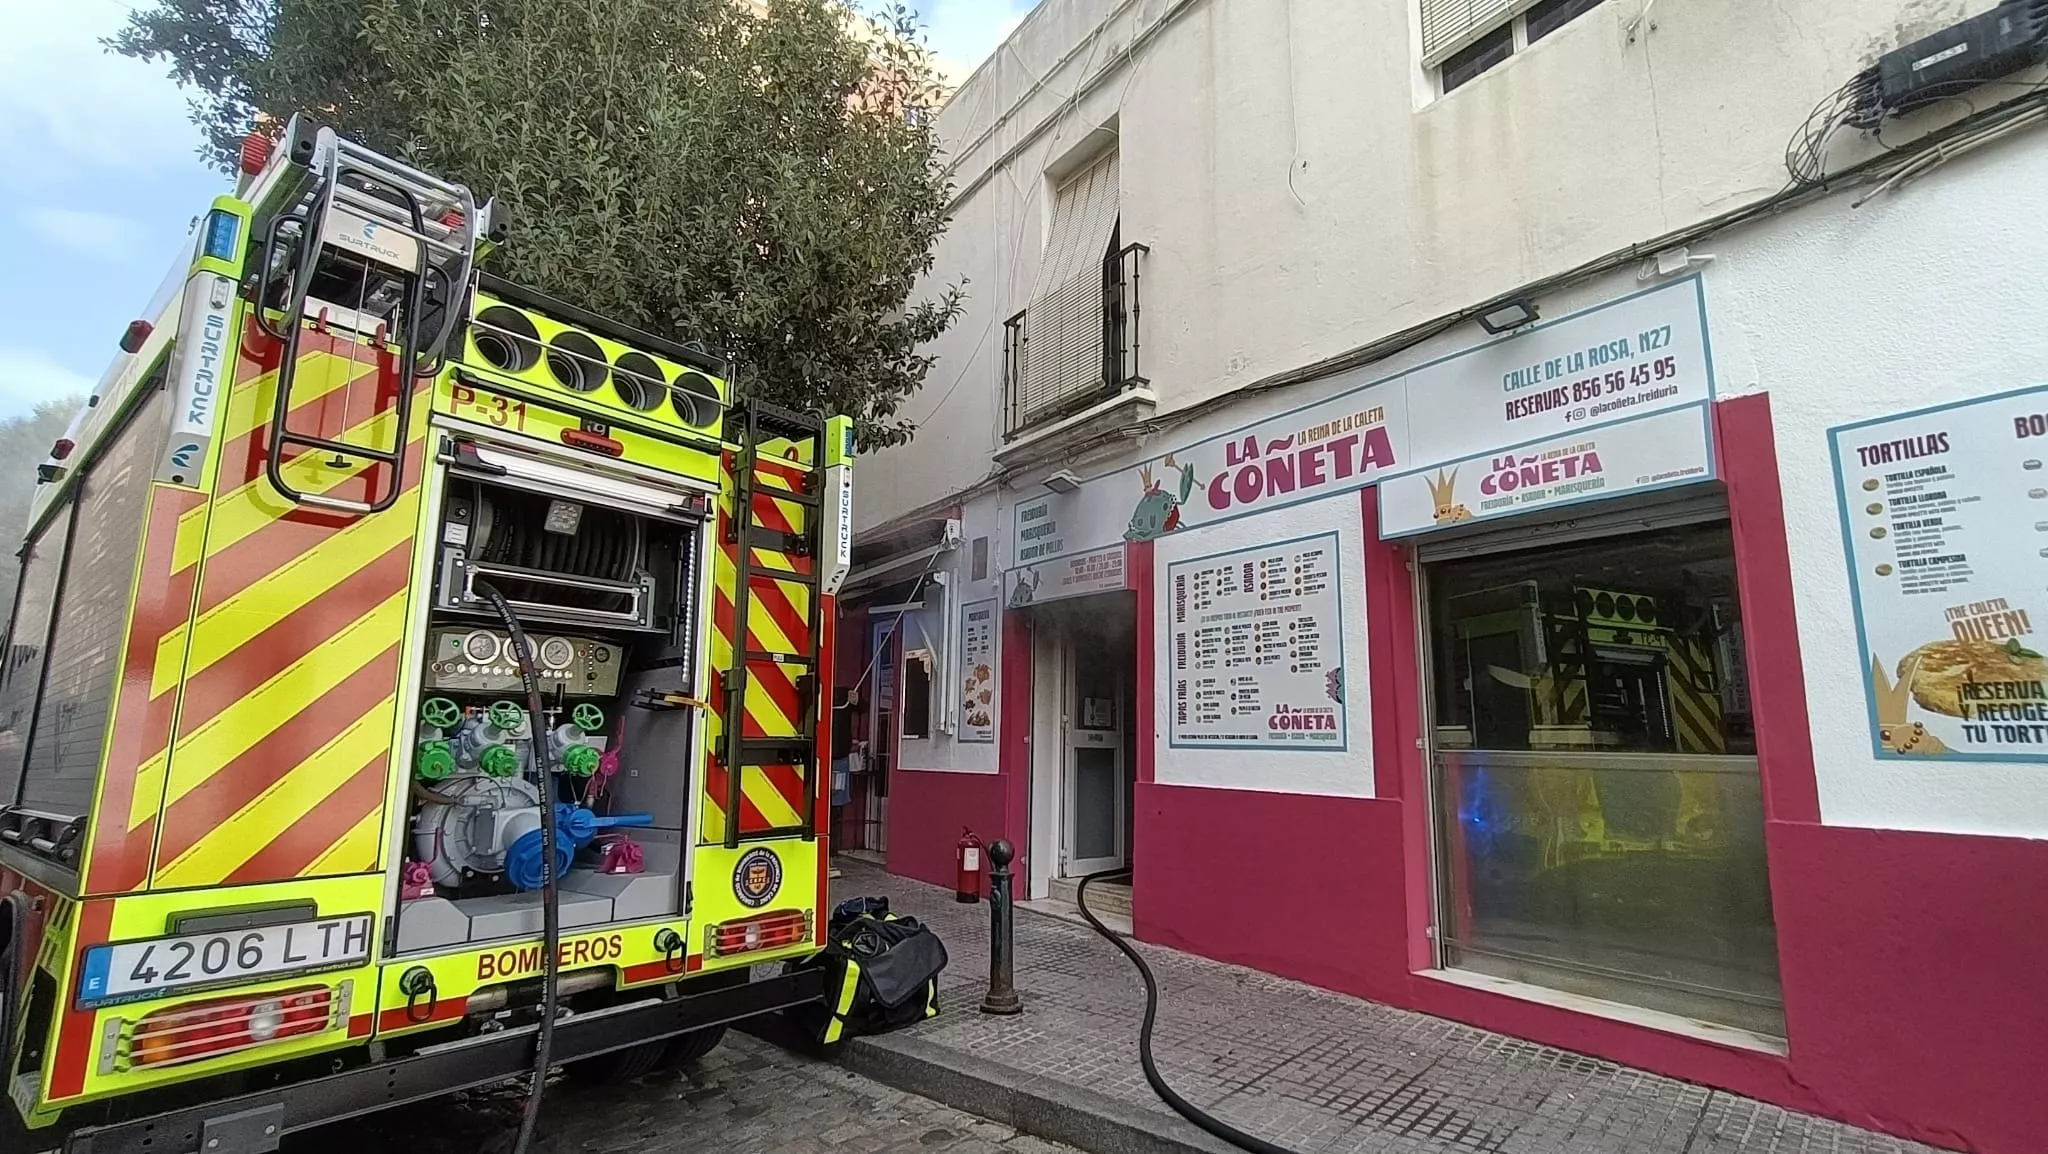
point(1158, 511)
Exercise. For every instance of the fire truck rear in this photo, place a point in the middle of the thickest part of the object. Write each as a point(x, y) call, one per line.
point(396, 652)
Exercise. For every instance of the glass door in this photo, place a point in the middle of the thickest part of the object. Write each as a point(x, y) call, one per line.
point(1092, 839)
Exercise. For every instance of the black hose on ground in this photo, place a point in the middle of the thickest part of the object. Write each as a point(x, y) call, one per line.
point(1181, 1106)
point(550, 901)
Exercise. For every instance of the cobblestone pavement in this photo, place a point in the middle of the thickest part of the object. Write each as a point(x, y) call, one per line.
point(1316, 1071)
point(747, 1097)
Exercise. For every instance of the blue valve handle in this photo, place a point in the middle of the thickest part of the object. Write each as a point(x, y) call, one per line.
point(580, 825)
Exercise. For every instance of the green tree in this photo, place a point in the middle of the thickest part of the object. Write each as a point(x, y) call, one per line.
point(766, 182)
point(24, 443)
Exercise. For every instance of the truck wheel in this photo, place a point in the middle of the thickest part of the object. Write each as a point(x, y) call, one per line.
point(694, 1045)
point(619, 1065)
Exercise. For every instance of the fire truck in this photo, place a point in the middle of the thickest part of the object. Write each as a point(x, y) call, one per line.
point(412, 679)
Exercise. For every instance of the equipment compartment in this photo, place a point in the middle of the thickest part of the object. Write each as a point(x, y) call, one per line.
point(607, 597)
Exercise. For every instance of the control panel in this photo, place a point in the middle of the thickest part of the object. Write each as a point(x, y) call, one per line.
point(465, 660)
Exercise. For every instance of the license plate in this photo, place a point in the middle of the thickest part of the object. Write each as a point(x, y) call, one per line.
point(132, 971)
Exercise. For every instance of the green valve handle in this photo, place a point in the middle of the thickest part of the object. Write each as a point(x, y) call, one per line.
point(505, 715)
point(499, 761)
point(440, 713)
point(433, 762)
point(587, 717)
point(579, 761)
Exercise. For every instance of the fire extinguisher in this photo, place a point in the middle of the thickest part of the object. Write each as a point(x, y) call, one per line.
point(968, 886)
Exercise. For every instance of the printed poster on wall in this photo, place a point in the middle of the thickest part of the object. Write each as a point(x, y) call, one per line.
point(1077, 575)
point(1257, 646)
point(1593, 375)
point(1945, 524)
point(977, 672)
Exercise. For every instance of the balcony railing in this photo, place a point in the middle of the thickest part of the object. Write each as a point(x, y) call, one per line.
point(1076, 347)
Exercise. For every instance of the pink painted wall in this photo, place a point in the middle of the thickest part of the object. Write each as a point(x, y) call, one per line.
point(926, 812)
point(1912, 963)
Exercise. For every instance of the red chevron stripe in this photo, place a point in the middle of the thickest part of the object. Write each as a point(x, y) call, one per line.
point(769, 515)
point(243, 779)
point(329, 415)
point(142, 727)
point(769, 679)
point(788, 474)
point(290, 638)
point(282, 541)
point(301, 843)
point(795, 564)
point(770, 598)
point(716, 782)
point(788, 781)
point(75, 1038)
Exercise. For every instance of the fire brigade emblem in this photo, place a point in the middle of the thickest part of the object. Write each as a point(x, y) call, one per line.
point(758, 878)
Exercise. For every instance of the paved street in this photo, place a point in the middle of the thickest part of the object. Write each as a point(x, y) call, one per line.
point(1315, 1071)
point(747, 1097)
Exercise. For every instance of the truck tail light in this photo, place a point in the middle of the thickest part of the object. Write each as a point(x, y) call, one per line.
point(765, 932)
point(210, 1029)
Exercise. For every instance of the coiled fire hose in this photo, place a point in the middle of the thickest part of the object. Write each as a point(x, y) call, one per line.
point(1167, 1094)
point(550, 902)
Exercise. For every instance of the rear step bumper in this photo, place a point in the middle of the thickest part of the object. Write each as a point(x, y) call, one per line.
point(253, 1123)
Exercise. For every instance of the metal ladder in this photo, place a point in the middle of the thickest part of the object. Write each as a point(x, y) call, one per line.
point(344, 172)
point(738, 751)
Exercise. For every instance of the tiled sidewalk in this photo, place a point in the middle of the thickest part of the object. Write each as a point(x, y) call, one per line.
point(1311, 1070)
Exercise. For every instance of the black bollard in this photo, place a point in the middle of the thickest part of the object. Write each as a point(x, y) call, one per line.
point(1002, 968)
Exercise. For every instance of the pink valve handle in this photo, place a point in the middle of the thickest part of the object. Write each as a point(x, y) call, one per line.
point(607, 767)
point(415, 880)
point(623, 856)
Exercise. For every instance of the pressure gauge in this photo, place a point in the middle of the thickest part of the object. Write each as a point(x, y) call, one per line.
point(480, 648)
point(557, 652)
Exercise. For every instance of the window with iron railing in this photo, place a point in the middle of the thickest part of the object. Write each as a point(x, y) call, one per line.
point(1077, 346)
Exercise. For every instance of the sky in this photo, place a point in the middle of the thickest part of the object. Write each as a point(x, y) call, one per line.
point(100, 179)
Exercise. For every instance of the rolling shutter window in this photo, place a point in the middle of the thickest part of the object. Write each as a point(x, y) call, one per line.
point(1450, 26)
point(1066, 312)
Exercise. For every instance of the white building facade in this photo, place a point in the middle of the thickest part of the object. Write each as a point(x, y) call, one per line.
point(1531, 512)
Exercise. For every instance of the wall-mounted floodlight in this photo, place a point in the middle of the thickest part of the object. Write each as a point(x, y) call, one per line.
point(1063, 481)
point(1508, 315)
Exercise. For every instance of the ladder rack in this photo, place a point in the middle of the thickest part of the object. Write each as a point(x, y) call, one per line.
point(375, 208)
point(806, 434)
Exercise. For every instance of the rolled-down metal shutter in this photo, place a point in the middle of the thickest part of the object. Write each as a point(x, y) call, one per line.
point(42, 563)
point(92, 618)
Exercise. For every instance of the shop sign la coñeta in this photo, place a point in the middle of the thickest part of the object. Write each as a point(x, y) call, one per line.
point(1609, 400)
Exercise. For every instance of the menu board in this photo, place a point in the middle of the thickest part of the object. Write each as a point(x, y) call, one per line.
point(1258, 648)
point(1945, 522)
point(977, 672)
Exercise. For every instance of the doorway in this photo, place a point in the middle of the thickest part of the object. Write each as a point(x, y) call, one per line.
point(1084, 665)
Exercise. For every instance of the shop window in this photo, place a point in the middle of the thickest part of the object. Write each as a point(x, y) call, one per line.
point(1594, 757)
point(979, 563)
point(917, 695)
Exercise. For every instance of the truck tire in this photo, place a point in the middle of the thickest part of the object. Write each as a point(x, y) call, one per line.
point(619, 1065)
point(694, 1045)
point(643, 1059)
